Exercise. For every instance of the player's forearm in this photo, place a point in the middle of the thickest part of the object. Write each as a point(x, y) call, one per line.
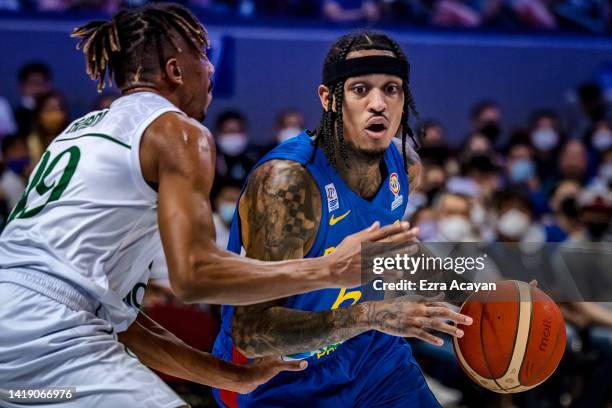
point(159, 349)
point(221, 277)
point(282, 331)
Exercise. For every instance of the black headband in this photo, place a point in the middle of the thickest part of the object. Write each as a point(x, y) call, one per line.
point(376, 64)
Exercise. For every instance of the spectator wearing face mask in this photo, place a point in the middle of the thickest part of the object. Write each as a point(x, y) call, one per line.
point(289, 123)
point(598, 140)
point(521, 172)
point(35, 81)
point(224, 197)
point(453, 212)
point(17, 169)
point(235, 154)
point(515, 221)
point(50, 119)
point(546, 138)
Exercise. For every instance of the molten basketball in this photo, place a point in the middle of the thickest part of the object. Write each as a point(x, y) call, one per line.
point(517, 338)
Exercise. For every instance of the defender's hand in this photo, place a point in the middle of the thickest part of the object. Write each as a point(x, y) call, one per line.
point(400, 317)
point(261, 371)
point(346, 259)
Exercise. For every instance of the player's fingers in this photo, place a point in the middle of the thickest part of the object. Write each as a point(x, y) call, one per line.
point(534, 283)
point(428, 337)
point(444, 313)
point(276, 364)
point(441, 326)
point(402, 236)
point(292, 365)
point(386, 231)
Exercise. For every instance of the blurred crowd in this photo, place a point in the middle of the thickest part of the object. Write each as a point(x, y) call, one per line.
point(548, 179)
point(562, 15)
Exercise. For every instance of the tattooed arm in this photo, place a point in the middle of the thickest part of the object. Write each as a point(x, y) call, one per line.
point(280, 212)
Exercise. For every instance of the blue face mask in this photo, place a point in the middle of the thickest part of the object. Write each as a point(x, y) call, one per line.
point(17, 166)
point(226, 212)
point(522, 170)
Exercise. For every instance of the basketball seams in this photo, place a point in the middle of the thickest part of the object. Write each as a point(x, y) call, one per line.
point(523, 324)
point(528, 334)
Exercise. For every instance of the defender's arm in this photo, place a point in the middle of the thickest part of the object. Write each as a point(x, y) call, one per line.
point(178, 153)
point(161, 350)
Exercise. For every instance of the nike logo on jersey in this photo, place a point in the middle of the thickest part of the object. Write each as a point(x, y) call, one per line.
point(333, 221)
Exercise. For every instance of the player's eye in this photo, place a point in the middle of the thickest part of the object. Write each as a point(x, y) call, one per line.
point(392, 89)
point(360, 89)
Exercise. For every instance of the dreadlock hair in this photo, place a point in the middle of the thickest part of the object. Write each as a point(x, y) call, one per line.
point(135, 43)
point(331, 128)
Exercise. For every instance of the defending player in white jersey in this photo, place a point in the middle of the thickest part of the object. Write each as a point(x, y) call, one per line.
point(74, 256)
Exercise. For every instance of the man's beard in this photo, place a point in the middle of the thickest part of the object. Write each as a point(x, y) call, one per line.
point(367, 156)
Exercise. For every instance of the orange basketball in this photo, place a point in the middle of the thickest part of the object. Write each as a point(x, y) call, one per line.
point(516, 340)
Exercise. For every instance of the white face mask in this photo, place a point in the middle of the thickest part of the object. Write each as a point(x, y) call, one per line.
point(287, 133)
point(233, 143)
point(605, 171)
point(226, 212)
point(513, 224)
point(478, 214)
point(602, 139)
point(454, 228)
point(545, 139)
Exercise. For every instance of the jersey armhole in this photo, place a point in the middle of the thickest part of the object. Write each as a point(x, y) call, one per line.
point(135, 167)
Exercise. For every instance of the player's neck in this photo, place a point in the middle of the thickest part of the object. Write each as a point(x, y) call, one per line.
point(365, 172)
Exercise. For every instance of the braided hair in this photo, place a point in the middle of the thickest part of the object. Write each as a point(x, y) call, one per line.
point(133, 45)
point(331, 128)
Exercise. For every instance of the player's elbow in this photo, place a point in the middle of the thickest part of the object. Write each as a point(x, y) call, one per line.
point(197, 276)
point(193, 291)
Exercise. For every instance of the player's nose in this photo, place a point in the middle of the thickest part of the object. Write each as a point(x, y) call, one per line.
point(376, 101)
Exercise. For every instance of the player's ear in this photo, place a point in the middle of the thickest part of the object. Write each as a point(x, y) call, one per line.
point(173, 71)
point(323, 95)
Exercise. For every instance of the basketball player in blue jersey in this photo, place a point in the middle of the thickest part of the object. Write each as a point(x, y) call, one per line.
point(301, 200)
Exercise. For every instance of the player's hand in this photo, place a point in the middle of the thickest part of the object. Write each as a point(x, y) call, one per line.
point(404, 318)
point(346, 259)
point(261, 370)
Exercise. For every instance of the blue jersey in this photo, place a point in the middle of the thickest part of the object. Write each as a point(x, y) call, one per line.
point(343, 213)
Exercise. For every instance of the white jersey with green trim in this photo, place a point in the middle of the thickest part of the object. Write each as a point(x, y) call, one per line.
point(88, 216)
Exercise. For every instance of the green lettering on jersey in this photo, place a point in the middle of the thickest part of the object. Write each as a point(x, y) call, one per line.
point(87, 121)
point(43, 170)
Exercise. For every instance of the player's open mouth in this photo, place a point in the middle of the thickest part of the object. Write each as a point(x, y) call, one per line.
point(376, 130)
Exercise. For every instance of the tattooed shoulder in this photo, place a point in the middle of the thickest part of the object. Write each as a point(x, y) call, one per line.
point(280, 211)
